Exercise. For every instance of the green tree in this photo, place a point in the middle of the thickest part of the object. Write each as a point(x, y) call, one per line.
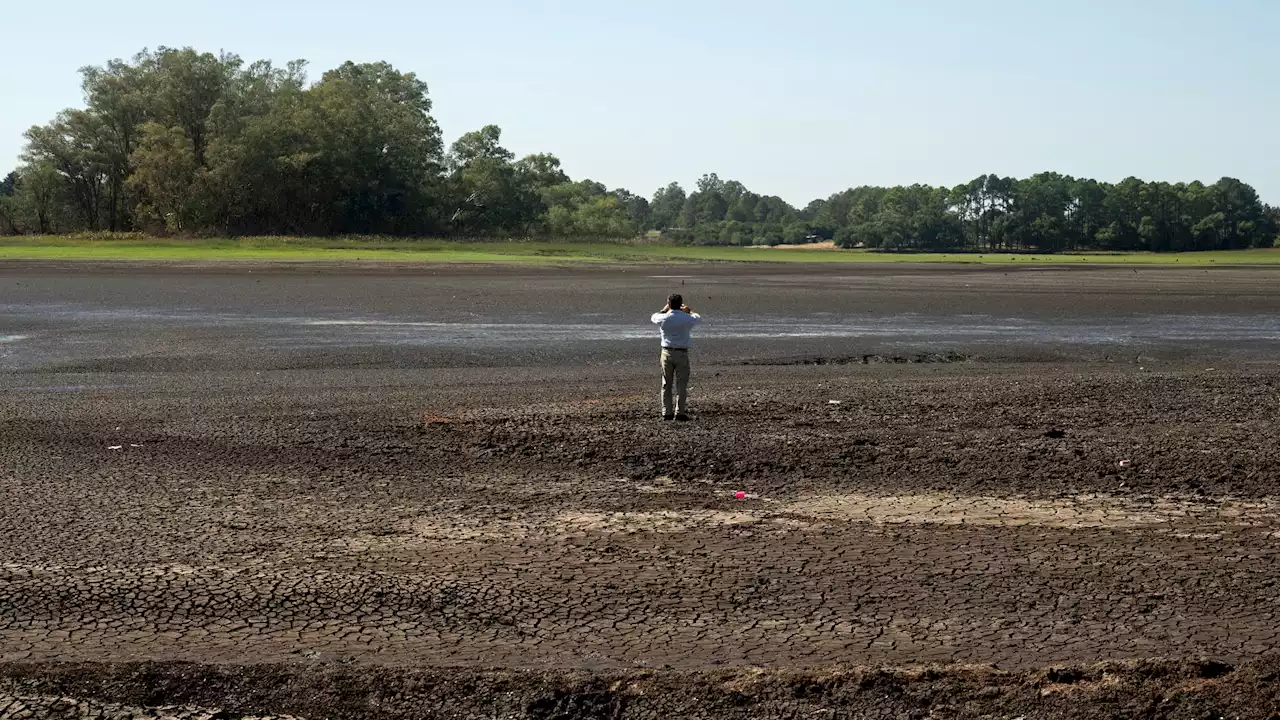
point(707, 204)
point(37, 193)
point(667, 204)
point(538, 171)
point(1088, 211)
point(376, 149)
point(771, 209)
point(69, 145)
point(636, 206)
point(485, 143)
point(587, 208)
point(9, 204)
point(118, 94)
point(264, 161)
point(166, 179)
point(493, 195)
point(742, 208)
point(603, 216)
point(180, 140)
point(1271, 225)
point(1242, 213)
point(493, 201)
point(185, 87)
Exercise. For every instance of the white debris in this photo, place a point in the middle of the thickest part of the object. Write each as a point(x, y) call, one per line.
point(115, 447)
point(834, 402)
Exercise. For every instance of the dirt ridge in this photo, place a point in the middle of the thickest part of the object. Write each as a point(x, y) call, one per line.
point(1165, 689)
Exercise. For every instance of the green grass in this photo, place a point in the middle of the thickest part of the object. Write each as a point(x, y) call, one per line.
point(137, 248)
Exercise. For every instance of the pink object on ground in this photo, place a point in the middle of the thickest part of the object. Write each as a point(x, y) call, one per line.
point(740, 495)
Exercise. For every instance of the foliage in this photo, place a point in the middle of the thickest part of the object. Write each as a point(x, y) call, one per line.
point(175, 141)
point(1049, 212)
point(137, 246)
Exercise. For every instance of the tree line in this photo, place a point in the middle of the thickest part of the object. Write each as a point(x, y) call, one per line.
point(175, 141)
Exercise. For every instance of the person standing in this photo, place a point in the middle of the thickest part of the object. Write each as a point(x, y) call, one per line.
point(675, 322)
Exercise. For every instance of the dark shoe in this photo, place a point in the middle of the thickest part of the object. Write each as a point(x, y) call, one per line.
point(682, 418)
point(668, 417)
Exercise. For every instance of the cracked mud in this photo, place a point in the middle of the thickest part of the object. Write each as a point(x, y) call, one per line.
point(233, 501)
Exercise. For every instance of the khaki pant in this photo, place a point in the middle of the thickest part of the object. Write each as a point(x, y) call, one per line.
point(675, 370)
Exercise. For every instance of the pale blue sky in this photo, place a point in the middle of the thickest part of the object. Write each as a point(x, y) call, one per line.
point(800, 98)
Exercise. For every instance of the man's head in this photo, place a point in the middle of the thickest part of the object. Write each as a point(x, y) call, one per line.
point(674, 301)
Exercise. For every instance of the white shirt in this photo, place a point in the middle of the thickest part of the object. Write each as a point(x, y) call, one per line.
point(675, 326)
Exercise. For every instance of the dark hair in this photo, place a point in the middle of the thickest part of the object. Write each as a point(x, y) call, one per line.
point(674, 301)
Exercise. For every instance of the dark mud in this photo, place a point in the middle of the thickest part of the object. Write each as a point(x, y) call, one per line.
point(961, 432)
point(463, 530)
point(913, 359)
point(1151, 690)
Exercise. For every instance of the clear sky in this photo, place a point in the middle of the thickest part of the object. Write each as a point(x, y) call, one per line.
point(799, 99)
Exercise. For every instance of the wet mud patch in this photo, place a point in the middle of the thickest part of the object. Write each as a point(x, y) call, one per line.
point(919, 358)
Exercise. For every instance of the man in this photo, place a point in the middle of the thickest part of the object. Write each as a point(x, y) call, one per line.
point(676, 320)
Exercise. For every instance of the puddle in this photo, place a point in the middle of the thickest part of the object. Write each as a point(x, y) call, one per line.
point(548, 328)
point(73, 333)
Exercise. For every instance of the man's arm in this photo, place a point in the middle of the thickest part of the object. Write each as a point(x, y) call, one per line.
point(658, 317)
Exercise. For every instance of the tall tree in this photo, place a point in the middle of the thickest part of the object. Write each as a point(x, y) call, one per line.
point(707, 204)
point(485, 143)
point(70, 145)
point(665, 208)
point(166, 179)
point(38, 194)
point(540, 170)
point(118, 95)
point(186, 87)
point(9, 212)
point(178, 140)
point(376, 148)
point(493, 195)
point(637, 208)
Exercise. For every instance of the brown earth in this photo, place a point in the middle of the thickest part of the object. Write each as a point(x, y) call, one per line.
point(361, 528)
point(1145, 689)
